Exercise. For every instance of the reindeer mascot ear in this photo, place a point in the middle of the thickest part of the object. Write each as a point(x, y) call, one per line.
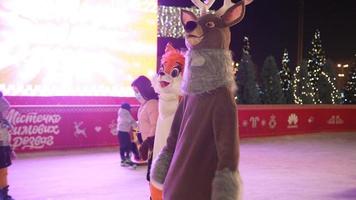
point(200, 159)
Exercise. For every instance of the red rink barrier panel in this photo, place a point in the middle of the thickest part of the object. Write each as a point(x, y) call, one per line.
point(269, 120)
point(53, 127)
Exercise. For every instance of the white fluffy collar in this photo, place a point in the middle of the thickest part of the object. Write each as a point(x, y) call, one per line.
point(207, 69)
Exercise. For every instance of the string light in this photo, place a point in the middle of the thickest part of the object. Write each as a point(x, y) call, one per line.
point(304, 90)
point(334, 93)
point(350, 88)
point(316, 60)
point(169, 24)
point(286, 76)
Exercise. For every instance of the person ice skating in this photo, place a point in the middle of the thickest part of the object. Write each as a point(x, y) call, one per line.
point(167, 84)
point(200, 159)
point(125, 124)
point(6, 153)
point(147, 116)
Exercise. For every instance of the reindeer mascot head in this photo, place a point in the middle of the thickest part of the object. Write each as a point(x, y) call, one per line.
point(200, 159)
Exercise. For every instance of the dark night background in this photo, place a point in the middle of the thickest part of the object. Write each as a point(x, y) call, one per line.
point(272, 25)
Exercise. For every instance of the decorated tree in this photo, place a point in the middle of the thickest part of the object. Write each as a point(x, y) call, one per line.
point(271, 83)
point(350, 87)
point(327, 91)
point(316, 60)
point(246, 46)
point(301, 86)
point(286, 77)
point(247, 92)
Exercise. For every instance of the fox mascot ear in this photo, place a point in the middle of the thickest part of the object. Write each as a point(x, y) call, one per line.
point(172, 57)
point(169, 47)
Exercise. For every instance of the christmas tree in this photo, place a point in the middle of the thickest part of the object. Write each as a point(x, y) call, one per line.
point(350, 87)
point(246, 46)
point(327, 91)
point(316, 60)
point(301, 87)
point(247, 92)
point(271, 83)
point(286, 78)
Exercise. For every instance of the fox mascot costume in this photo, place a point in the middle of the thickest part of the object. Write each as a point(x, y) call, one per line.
point(167, 84)
point(200, 159)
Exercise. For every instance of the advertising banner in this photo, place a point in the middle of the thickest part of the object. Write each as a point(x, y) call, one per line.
point(39, 128)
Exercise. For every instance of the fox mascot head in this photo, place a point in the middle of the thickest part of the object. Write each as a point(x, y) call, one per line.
point(169, 77)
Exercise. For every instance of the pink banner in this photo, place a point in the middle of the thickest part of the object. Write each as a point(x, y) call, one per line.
point(59, 127)
point(39, 128)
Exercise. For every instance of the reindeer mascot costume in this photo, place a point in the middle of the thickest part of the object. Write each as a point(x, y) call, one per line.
point(200, 159)
point(167, 84)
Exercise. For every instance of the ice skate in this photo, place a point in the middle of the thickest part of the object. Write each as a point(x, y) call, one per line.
point(4, 194)
point(124, 163)
point(131, 164)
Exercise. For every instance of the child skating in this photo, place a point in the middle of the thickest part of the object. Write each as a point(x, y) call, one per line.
point(125, 124)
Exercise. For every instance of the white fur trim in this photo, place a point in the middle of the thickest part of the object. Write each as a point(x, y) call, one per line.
point(206, 70)
point(160, 168)
point(227, 185)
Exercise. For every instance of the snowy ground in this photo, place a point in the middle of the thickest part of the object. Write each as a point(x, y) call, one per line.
point(305, 167)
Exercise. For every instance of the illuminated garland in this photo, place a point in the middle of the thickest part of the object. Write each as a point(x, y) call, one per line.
point(316, 60)
point(169, 24)
point(285, 73)
point(296, 83)
point(335, 93)
point(350, 88)
point(246, 46)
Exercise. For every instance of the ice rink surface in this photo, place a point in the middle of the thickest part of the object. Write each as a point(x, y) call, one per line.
point(300, 167)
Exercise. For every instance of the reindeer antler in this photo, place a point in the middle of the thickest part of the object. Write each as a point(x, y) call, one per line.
point(203, 7)
point(227, 4)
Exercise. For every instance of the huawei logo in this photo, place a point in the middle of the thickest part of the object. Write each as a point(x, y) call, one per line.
point(292, 121)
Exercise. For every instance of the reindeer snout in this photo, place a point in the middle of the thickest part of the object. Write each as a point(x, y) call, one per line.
point(190, 26)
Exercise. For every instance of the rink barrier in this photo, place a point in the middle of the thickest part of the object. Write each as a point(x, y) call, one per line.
point(53, 123)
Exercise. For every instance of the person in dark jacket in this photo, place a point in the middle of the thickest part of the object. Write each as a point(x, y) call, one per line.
point(6, 153)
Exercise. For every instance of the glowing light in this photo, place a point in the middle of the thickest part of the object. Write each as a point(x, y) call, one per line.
point(301, 84)
point(285, 75)
point(76, 47)
point(169, 24)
